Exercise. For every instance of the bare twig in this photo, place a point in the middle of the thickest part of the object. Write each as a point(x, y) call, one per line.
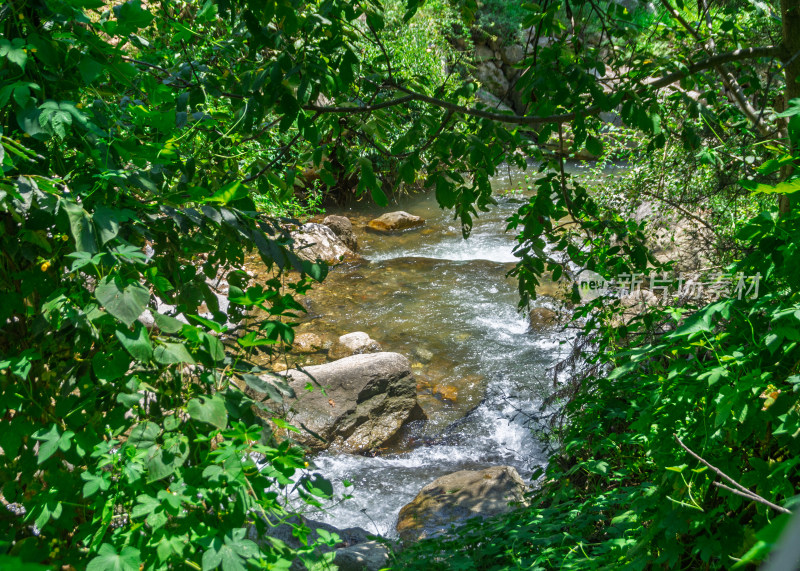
point(740, 490)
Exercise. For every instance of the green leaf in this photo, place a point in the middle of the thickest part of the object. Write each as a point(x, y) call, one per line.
point(144, 435)
point(787, 187)
point(167, 324)
point(348, 66)
point(229, 193)
point(145, 506)
point(594, 146)
point(136, 342)
point(597, 467)
point(111, 365)
point(318, 486)
point(261, 385)
point(131, 17)
point(701, 322)
point(213, 325)
point(163, 462)
point(317, 271)
point(81, 226)
point(766, 538)
point(48, 442)
point(14, 51)
point(125, 301)
point(105, 220)
point(379, 196)
point(369, 182)
point(214, 347)
point(95, 483)
point(90, 69)
point(109, 560)
point(209, 409)
point(169, 353)
point(232, 554)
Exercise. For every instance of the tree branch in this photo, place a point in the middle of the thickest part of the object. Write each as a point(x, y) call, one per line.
point(728, 80)
point(359, 108)
point(740, 490)
point(702, 65)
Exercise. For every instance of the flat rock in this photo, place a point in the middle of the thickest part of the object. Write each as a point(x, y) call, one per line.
point(315, 242)
point(394, 221)
point(367, 399)
point(366, 556)
point(354, 343)
point(457, 497)
point(307, 343)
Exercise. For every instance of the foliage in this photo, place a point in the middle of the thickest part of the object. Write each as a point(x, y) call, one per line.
point(700, 186)
point(420, 48)
point(501, 19)
point(128, 441)
point(135, 141)
point(622, 491)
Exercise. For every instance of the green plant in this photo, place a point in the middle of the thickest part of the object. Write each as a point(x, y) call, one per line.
point(622, 490)
point(128, 439)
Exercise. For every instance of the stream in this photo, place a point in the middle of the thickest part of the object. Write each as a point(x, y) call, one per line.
point(447, 305)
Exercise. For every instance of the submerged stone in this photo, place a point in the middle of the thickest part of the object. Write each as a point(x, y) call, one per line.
point(542, 318)
point(457, 497)
point(307, 343)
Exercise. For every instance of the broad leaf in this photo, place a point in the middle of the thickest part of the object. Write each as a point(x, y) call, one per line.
point(209, 409)
point(125, 301)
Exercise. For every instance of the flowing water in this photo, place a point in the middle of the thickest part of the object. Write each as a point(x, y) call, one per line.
point(446, 304)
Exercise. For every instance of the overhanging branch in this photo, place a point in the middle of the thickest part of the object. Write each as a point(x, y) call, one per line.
point(702, 65)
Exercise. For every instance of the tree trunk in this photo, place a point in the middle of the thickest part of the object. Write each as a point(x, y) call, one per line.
point(790, 14)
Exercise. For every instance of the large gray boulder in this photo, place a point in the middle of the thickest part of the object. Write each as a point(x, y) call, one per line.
point(457, 497)
point(366, 556)
point(367, 399)
point(343, 228)
point(512, 54)
point(318, 242)
point(492, 78)
point(393, 221)
point(483, 53)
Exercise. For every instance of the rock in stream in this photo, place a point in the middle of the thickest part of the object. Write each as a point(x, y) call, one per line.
point(457, 497)
point(366, 400)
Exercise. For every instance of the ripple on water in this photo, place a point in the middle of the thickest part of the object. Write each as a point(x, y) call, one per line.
point(429, 292)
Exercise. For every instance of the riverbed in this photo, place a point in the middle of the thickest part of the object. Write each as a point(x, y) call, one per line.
point(447, 304)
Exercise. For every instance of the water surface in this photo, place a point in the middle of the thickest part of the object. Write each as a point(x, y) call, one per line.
point(446, 304)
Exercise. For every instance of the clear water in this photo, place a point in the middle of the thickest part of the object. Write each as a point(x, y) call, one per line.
point(446, 304)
